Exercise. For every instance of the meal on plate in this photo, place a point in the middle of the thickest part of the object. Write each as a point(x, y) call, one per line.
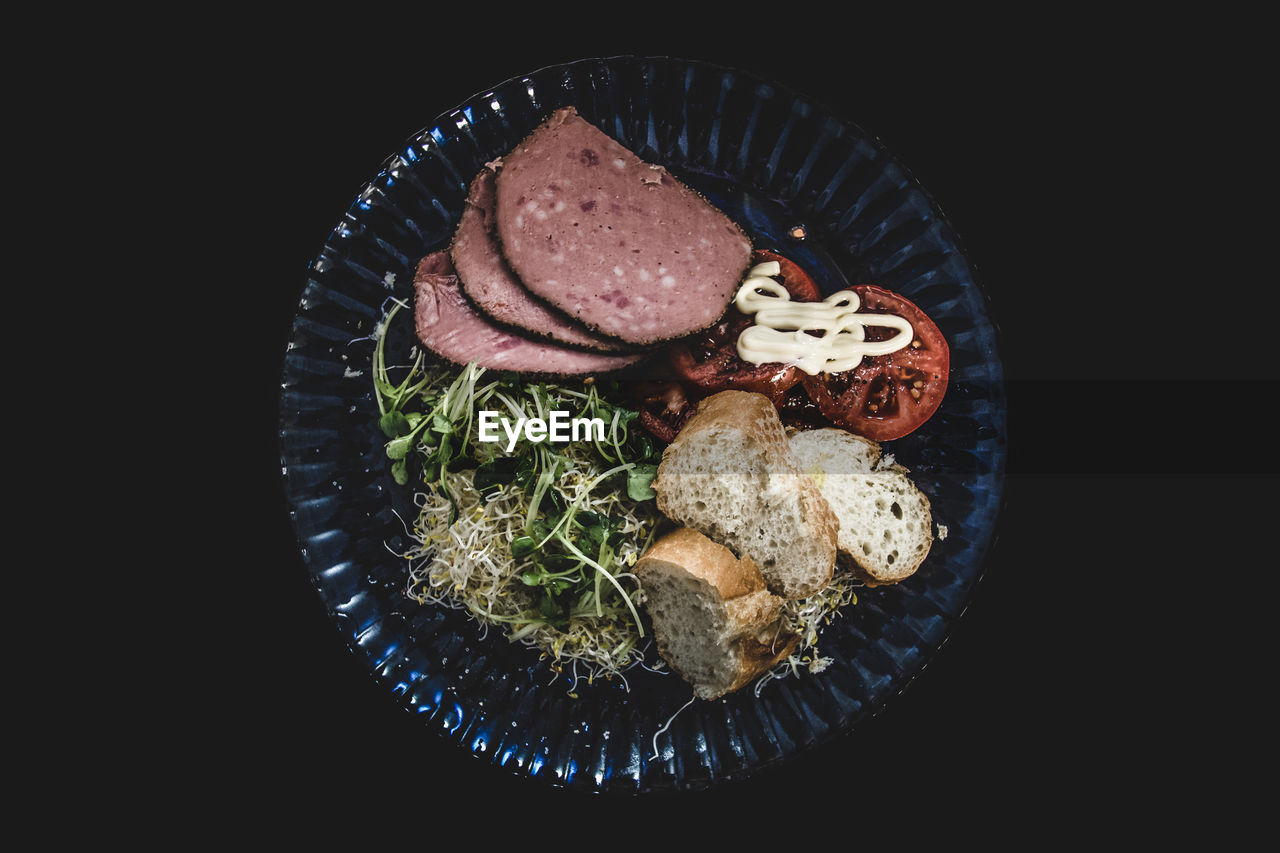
point(622, 422)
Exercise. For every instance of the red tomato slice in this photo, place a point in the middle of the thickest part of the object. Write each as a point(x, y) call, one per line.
point(665, 406)
point(887, 396)
point(710, 360)
point(883, 398)
point(794, 279)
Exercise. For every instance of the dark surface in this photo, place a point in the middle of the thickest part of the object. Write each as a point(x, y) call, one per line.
point(1075, 686)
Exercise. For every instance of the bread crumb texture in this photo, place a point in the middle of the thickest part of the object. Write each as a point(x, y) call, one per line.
point(886, 522)
point(731, 474)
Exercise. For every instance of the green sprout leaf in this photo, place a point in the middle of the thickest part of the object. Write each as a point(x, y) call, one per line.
point(640, 481)
point(394, 424)
point(492, 474)
point(522, 546)
point(399, 448)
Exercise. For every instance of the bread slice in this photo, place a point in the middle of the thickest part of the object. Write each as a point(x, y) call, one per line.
point(730, 474)
point(714, 621)
point(886, 523)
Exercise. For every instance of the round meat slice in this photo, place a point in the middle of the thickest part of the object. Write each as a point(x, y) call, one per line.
point(613, 241)
point(452, 329)
point(490, 284)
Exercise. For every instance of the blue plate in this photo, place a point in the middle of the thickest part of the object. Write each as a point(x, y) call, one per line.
point(772, 160)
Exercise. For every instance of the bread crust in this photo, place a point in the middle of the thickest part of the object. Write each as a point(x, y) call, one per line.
point(753, 628)
point(762, 652)
point(707, 560)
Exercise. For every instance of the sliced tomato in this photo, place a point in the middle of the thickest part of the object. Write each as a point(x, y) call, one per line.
point(797, 282)
point(710, 361)
point(887, 396)
point(883, 398)
point(721, 369)
point(665, 406)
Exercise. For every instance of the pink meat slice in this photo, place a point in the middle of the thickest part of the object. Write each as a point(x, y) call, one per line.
point(490, 284)
point(614, 241)
point(449, 327)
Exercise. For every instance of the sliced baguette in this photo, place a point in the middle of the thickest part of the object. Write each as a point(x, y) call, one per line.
point(714, 621)
point(886, 522)
point(730, 474)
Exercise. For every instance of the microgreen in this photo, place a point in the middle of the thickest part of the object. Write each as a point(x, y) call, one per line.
point(640, 481)
point(538, 539)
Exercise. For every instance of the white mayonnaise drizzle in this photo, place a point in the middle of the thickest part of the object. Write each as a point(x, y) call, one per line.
point(781, 329)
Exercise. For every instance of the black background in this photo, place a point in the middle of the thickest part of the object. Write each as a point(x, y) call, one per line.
point(1090, 170)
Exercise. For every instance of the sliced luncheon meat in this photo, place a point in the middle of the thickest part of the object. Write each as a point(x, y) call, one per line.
point(449, 327)
point(489, 283)
point(613, 241)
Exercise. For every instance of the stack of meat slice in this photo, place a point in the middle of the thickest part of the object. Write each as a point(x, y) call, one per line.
point(574, 256)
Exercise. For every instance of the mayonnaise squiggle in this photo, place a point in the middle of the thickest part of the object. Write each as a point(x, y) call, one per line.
point(782, 329)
